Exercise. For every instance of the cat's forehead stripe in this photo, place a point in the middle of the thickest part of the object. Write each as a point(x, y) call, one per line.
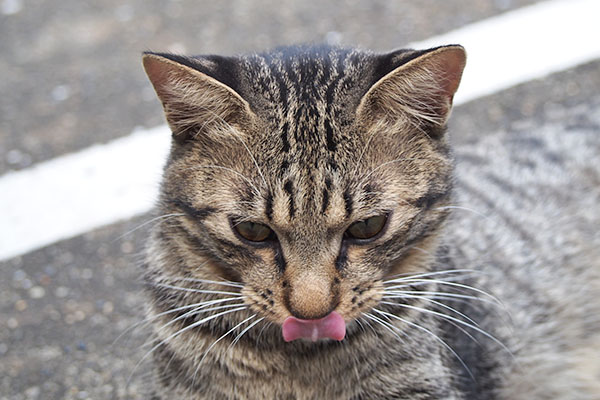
point(269, 206)
point(348, 203)
point(306, 113)
point(288, 187)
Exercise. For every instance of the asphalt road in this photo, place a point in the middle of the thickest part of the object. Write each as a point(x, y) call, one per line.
point(72, 77)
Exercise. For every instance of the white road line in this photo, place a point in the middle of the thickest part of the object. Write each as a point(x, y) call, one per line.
point(75, 193)
point(524, 44)
point(78, 192)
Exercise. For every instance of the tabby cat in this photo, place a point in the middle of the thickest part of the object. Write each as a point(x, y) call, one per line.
point(312, 246)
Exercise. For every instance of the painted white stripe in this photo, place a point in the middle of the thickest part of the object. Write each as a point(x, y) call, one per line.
point(524, 44)
point(78, 192)
point(75, 193)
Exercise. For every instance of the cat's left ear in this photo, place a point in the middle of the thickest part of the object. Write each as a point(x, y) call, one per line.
point(416, 87)
point(197, 94)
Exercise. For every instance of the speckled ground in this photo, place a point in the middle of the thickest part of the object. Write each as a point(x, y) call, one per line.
point(68, 312)
point(74, 69)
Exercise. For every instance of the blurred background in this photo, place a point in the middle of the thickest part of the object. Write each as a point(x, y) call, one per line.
point(72, 78)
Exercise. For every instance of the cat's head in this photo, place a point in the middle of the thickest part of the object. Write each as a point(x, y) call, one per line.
point(308, 175)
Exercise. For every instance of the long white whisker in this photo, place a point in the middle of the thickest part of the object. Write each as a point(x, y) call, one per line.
point(199, 306)
point(388, 326)
point(140, 226)
point(267, 324)
point(217, 341)
point(463, 315)
point(224, 283)
point(179, 332)
point(197, 311)
point(238, 337)
point(464, 209)
point(427, 274)
point(442, 282)
point(432, 334)
point(399, 294)
point(458, 321)
point(164, 285)
point(452, 323)
point(358, 321)
point(368, 323)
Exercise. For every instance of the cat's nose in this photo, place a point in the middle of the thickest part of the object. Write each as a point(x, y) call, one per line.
point(310, 297)
point(307, 314)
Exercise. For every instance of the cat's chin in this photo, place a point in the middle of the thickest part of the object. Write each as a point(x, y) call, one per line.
point(332, 326)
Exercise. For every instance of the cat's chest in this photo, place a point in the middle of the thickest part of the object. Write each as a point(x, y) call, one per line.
point(360, 370)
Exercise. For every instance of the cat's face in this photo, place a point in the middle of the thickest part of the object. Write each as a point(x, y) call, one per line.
point(308, 193)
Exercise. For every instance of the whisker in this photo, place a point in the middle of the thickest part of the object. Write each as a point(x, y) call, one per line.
point(220, 338)
point(180, 331)
point(368, 323)
point(267, 324)
point(217, 341)
point(443, 282)
point(224, 283)
point(238, 337)
point(436, 337)
point(450, 322)
point(155, 316)
point(458, 321)
point(358, 321)
point(463, 315)
point(464, 209)
point(164, 285)
point(140, 226)
point(395, 294)
point(199, 306)
point(195, 311)
point(391, 328)
point(427, 274)
point(422, 250)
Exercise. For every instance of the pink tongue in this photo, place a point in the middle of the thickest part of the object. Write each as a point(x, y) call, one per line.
point(331, 327)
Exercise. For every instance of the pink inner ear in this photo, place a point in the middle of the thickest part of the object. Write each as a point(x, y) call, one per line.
point(332, 326)
point(452, 64)
point(157, 69)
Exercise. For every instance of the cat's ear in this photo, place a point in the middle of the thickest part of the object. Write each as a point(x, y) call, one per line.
point(415, 87)
point(194, 96)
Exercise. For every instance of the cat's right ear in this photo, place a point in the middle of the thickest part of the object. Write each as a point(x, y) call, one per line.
point(194, 102)
point(415, 87)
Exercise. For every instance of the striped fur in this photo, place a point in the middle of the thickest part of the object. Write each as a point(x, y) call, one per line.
point(309, 140)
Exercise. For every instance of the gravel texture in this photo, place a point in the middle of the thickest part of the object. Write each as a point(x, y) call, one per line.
point(74, 68)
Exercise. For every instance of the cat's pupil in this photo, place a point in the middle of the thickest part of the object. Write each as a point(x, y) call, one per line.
point(368, 228)
point(253, 231)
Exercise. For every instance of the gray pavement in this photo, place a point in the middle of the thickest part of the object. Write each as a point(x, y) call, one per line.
point(74, 71)
point(74, 79)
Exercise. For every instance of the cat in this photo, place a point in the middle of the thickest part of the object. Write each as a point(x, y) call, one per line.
point(316, 242)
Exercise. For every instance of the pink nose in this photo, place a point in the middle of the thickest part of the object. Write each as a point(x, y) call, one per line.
point(332, 326)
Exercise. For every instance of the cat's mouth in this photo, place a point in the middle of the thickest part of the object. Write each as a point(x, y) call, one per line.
point(332, 326)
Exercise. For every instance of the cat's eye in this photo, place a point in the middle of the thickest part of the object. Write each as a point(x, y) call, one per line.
point(253, 231)
point(367, 228)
